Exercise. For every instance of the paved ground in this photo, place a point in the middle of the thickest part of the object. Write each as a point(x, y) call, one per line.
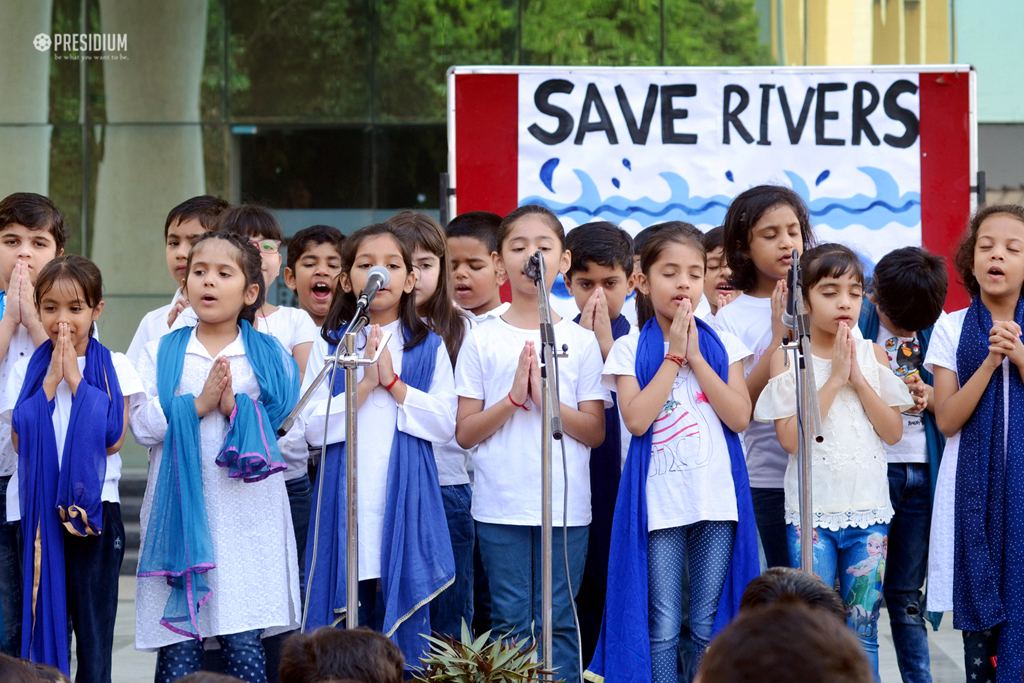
point(132, 666)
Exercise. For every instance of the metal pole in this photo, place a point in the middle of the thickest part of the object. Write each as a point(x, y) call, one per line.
point(804, 463)
point(546, 551)
point(351, 511)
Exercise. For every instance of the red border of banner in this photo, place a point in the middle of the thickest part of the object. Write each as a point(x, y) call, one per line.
point(486, 142)
point(945, 169)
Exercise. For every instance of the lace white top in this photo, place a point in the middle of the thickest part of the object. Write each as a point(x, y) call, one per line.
point(850, 484)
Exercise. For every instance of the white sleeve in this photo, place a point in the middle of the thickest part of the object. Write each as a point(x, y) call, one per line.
point(305, 329)
point(735, 349)
point(128, 378)
point(621, 361)
point(313, 413)
point(469, 379)
point(14, 384)
point(431, 415)
point(943, 344)
point(591, 367)
point(145, 416)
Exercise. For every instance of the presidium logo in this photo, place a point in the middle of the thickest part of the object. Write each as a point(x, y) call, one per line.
point(83, 46)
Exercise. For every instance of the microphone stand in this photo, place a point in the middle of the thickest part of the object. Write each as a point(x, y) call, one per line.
point(808, 411)
point(350, 361)
point(551, 427)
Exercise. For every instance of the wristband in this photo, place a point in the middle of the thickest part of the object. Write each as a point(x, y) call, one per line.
point(517, 405)
point(393, 383)
point(678, 360)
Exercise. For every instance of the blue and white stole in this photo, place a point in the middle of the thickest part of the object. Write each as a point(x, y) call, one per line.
point(988, 568)
point(416, 552)
point(68, 494)
point(178, 544)
point(623, 652)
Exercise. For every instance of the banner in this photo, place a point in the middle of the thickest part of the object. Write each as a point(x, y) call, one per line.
point(644, 146)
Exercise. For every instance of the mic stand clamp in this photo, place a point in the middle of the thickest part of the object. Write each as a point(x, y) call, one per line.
point(350, 362)
point(808, 411)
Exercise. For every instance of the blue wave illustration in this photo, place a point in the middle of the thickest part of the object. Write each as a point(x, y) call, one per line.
point(680, 205)
point(888, 205)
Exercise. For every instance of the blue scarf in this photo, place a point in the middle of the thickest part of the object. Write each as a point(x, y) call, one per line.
point(605, 471)
point(72, 495)
point(178, 544)
point(623, 652)
point(989, 519)
point(416, 553)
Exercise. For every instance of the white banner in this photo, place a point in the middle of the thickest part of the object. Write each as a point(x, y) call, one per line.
point(643, 147)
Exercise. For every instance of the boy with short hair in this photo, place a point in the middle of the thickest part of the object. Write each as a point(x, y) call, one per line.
point(472, 240)
point(717, 290)
point(600, 278)
point(184, 224)
point(314, 263)
point(31, 235)
point(909, 289)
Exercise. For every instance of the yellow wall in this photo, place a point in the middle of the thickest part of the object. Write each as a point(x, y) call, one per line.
point(855, 32)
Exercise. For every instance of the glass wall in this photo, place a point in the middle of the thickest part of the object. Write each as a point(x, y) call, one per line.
point(328, 111)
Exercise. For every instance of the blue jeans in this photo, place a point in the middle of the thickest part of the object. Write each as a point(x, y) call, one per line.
point(242, 654)
point(706, 547)
point(10, 578)
point(858, 556)
point(770, 515)
point(455, 603)
point(511, 558)
point(906, 566)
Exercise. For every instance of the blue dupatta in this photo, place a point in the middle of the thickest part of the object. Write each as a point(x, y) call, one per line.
point(417, 562)
point(178, 544)
point(623, 652)
point(988, 566)
point(69, 493)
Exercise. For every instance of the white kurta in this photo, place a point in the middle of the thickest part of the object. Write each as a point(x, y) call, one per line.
point(256, 582)
point(427, 415)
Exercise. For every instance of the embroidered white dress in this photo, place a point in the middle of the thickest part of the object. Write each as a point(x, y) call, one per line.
point(849, 468)
point(256, 582)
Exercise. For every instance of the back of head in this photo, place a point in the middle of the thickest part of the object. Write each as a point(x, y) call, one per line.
point(251, 220)
point(208, 677)
point(310, 237)
point(744, 212)
point(601, 243)
point(785, 584)
point(330, 653)
point(910, 288)
point(205, 208)
point(18, 671)
point(478, 225)
point(35, 212)
point(785, 643)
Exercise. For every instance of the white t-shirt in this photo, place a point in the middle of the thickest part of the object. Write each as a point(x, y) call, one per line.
point(154, 326)
point(905, 358)
point(750, 319)
point(291, 327)
point(690, 475)
point(508, 463)
point(131, 387)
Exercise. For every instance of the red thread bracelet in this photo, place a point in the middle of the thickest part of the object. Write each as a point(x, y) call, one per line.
point(517, 405)
point(393, 383)
point(678, 360)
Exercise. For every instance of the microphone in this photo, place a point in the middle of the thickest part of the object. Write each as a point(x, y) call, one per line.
point(792, 282)
point(378, 278)
point(534, 266)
